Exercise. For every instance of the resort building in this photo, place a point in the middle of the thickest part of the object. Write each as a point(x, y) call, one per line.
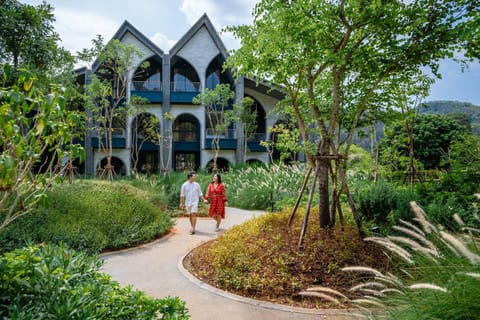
point(170, 83)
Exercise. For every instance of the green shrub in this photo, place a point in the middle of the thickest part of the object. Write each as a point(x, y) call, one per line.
point(53, 282)
point(91, 215)
point(375, 201)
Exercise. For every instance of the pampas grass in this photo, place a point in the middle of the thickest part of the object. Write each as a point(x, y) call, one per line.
point(438, 276)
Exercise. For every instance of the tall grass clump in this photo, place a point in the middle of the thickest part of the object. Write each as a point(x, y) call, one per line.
point(261, 187)
point(439, 277)
point(91, 215)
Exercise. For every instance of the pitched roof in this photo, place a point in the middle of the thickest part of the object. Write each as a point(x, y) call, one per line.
point(204, 21)
point(128, 27)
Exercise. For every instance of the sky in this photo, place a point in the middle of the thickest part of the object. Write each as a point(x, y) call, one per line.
point(166, 21)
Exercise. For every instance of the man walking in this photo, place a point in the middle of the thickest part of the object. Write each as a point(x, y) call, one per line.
point(189, 195)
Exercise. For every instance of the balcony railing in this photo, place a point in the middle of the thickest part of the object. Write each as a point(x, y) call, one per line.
point(185, 86)
point(257, 137)
point(147, 85)
point(225, 134)
point(117, 133)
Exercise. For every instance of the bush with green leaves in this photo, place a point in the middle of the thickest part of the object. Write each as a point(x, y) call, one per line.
point(54, 282)
point(375, 201)
point(91, 215)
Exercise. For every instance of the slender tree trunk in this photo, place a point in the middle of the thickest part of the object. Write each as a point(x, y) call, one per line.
point(323, 194)
point(307, 210)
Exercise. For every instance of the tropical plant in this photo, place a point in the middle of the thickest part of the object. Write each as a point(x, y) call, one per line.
point(55, 282)
point(107, 92)
point(35, 137)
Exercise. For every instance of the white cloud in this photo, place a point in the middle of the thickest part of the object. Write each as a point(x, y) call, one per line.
point(78, 28)
point(162, 41)
point(221, 13)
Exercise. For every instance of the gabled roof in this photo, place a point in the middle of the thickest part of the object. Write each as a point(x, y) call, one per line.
point(203, 21)
point(128, 27)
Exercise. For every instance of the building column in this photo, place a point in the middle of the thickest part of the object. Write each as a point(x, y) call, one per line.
point(239, 95)
point(167, 129)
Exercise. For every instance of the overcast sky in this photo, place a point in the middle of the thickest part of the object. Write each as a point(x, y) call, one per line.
point(166, 21)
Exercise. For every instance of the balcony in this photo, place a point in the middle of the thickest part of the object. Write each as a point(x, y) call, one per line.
point(148, 89)
point(118, 139)
point(253, 144)
point(183, 91)
point(228, 139)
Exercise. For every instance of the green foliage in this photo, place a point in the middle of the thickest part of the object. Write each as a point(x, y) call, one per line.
point(92, 215)
point(432, 136)
point(54, 282)
point(36, 133)
point(260, 187)
point(375, 201)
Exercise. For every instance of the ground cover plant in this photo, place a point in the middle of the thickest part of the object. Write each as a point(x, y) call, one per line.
point(92, 215)
point(260, 259)
point(54, 282)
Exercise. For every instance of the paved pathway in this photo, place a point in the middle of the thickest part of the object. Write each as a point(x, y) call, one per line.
point(157, 269)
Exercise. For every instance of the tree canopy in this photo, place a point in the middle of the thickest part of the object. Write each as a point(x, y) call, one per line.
point(337, 61)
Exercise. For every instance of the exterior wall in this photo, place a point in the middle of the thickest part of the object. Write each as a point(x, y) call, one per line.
point(261, 156)
point(207, 155)
point(197, 112)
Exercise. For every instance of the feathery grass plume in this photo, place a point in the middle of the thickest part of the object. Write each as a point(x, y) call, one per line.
point(458, 220)
point(471, 229)
point(417, 236)
point(428, 286)
point(372, 271)
point(319, 295)
point(473, 275)
point(421, 217)
point(462, 249)
point(369, 284)
point(327, 290)
point(391, 290)
point(373, 292)
point(412, 226)
point(416, 246)
point(368, 302)
point(477, 195)
point(402, 253)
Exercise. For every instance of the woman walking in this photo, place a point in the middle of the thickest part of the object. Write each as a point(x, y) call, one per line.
point(218, 200)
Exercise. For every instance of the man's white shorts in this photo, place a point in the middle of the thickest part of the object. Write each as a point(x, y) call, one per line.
point(193, 208)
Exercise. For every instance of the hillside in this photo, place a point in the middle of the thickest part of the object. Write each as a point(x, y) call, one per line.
point(455, 108)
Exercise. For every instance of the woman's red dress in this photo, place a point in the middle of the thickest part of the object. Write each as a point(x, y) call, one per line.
point(217, 197)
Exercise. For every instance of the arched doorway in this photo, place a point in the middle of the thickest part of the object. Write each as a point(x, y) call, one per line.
point(118, 166)
point(186, 143)
point(222, 165)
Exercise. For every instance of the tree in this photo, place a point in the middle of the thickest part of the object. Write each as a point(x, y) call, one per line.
point(220, 114)
point(433, 135)
point(107, 92)
point(28, 40)
point(335, 60)
point(31, 124)
point(248, 117)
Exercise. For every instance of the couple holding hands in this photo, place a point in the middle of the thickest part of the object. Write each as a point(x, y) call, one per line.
point(191, 192)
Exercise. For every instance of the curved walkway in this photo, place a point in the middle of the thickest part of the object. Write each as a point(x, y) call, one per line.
point(157, 269)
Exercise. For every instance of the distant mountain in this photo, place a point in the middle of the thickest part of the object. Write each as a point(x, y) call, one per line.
point(456, 109)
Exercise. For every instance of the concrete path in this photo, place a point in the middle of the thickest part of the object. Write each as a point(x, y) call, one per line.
point(157, 269)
